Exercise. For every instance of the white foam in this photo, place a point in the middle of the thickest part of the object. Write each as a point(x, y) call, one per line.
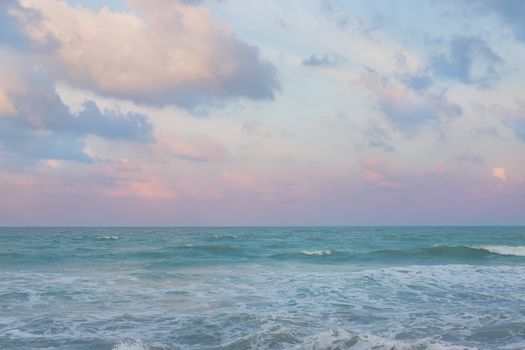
point(503, 249)
point(131, 345)
point(341, 339)
point(108, 237)
point(316, 252)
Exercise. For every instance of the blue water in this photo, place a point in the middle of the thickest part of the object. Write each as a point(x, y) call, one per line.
point(262, 288)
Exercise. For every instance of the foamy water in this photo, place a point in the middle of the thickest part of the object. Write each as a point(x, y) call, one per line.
point(254, 288)
point(503, 249)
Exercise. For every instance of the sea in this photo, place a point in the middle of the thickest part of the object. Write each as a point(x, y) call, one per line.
point(317, 288)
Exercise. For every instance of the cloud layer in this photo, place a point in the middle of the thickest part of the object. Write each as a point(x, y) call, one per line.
point(187, 112)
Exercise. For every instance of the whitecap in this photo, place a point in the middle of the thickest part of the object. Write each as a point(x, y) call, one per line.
point(341, 339)
point(316, 252)
point(108, 237)
point(503, 249)
point(131, 345)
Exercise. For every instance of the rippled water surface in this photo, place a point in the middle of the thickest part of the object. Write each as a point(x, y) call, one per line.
point(262, 288)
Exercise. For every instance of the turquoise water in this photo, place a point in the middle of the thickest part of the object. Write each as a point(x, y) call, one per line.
point(262, 288)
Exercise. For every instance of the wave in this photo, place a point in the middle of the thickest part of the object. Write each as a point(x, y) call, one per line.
point(502, 249)
point(108, 237)
point(422, 255)
point(316, 252)
point(343, 340)
point(131, 345)
point(225, 237)
point(453, 252)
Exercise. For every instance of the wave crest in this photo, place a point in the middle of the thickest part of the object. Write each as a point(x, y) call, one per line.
point(343, 340)
point(316, 252)
point(502, 249)
point(131, 345)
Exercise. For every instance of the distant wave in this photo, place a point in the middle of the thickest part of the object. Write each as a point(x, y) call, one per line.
point(225, 236)
point(502, 249)
point(316, 252)
point(108, 237)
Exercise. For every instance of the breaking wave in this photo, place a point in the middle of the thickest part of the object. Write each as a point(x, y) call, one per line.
point(316, 252)
point(502, 249)
point(343, 340)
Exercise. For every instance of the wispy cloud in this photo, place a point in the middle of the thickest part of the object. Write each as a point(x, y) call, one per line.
point(408, 110)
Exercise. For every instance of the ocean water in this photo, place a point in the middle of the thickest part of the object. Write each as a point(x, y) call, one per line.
point(263, 288)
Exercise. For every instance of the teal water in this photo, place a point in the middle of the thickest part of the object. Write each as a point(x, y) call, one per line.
point(262, 288)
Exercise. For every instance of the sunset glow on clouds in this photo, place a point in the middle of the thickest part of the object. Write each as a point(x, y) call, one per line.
point(261, 113)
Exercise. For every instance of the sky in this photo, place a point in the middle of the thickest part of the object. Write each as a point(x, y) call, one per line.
point(246, 112)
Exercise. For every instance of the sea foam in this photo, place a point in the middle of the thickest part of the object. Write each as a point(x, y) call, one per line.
point(131, 345)
point(316, 252)
point(503, 249)
point(343, 340)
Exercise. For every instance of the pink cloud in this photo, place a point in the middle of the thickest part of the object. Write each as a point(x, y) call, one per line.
point(154, 53)
point(130, 178)
point(147, 189)
point(500, 173)
point(380, 174)
point(53, 163)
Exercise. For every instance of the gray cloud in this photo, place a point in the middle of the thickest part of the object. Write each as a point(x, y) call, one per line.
point(24, 146)
point(418, 82)
point(511, 12)
point(470, 60)
point(13, 34)
point(10, 31)
point(43, 127)
point(323, 60)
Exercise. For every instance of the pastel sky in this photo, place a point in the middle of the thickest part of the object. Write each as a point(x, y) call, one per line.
point(247, 112)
